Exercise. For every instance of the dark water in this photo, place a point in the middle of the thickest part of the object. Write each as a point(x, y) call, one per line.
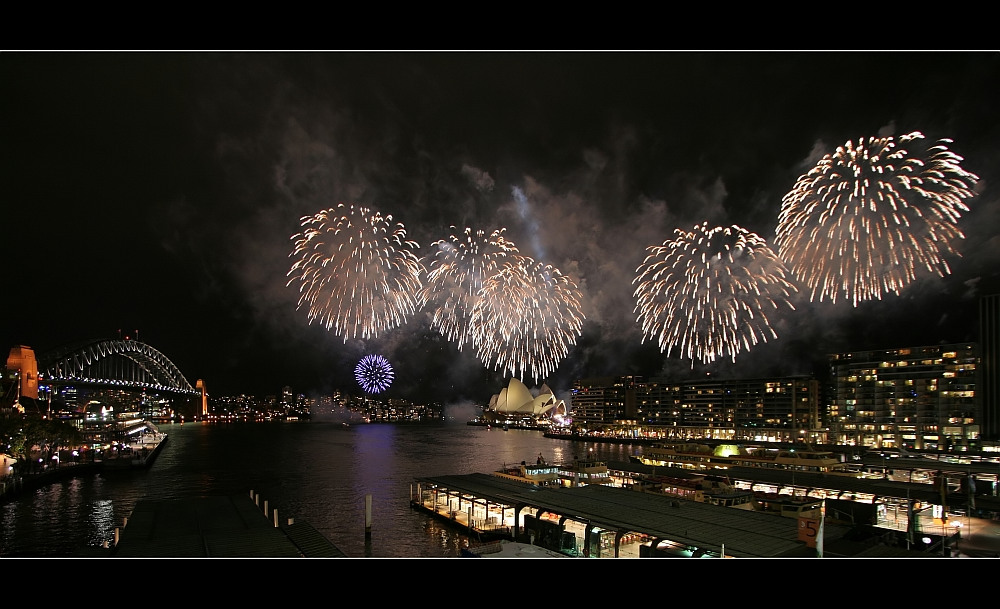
point(316, 472)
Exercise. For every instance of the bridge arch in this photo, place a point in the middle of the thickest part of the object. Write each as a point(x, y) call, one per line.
point(113, 362)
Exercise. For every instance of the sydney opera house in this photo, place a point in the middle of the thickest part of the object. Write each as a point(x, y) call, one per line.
point(516, 406)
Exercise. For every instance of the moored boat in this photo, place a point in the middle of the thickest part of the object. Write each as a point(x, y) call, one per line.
point(703, 456)
point(787, 505)
point(704, 488)
point(584, 472)
point(538, 473)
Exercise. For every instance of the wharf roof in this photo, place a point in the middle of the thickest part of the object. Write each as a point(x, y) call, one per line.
point(743, 533)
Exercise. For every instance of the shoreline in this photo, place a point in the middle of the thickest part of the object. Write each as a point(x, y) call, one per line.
point(11, 486)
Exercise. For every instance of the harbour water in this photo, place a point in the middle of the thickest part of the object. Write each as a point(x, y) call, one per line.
point(316, 471)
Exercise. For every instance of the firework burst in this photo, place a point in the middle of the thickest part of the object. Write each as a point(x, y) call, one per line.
point(455, 279)
point(526, 318)
point(357, 273)
point(866, 219)
point(373, 373)
point(707, 292)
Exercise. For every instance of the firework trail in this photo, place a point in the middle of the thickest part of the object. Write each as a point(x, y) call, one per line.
point(865, 219)
point(527, 317)
point(455, 279)
point(373, 373)
point(707, 292)
point(357, 273)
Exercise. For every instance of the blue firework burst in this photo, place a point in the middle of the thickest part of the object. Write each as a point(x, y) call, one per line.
point(374, 373)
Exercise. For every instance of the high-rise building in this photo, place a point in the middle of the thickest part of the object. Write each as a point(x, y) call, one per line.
point(920, 398)
point(604, 400)
point(988, 382)
point(771, 409)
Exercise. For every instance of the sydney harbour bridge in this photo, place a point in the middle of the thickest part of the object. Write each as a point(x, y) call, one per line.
point(128, 365)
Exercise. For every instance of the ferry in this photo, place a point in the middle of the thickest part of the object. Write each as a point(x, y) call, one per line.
point(538, 473)
point(787, 505)
point(582, 473)
point(702, 456)
point(715, 490)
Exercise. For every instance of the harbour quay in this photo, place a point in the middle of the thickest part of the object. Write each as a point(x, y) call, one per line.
point(140, 454)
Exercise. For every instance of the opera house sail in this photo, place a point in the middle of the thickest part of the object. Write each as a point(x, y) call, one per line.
point(515, 405)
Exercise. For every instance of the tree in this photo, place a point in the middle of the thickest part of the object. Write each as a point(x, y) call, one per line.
point(20, 433)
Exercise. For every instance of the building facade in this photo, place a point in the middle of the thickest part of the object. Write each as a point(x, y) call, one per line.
point(921, 398)
point(768, 407)
point(604, 400)
point(988, 382)
point(780, 409)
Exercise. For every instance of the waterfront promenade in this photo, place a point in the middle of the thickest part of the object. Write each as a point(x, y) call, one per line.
point(140, 453)
point(12, 483)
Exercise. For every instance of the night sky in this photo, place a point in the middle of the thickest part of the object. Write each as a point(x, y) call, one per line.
point(154, 195)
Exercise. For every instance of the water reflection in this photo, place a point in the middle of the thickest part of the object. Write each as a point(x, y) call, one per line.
point(317, 472)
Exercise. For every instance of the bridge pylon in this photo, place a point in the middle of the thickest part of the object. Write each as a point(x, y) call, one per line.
point(200, 385)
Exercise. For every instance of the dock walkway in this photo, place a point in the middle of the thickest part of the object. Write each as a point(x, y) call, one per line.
point(215, 527)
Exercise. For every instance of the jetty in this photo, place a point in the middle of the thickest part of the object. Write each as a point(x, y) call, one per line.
point(140, 452)
point(239, 526)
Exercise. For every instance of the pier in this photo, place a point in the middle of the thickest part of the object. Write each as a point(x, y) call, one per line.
point(598, 521)
point(140, 452)
point(241, 526)
point(603, 521)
